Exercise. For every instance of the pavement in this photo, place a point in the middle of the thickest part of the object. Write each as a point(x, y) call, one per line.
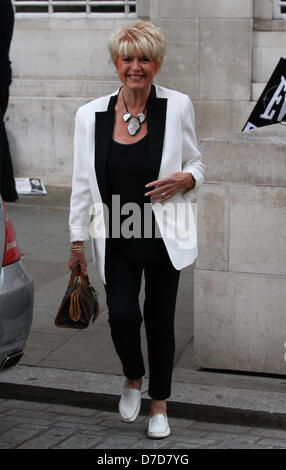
point(64, 367)
point(35, 425)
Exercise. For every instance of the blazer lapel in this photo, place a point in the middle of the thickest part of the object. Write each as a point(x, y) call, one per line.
point(104, 122)
point(156, 120)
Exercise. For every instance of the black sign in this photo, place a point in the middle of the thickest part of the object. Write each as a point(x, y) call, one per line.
point(271, 106)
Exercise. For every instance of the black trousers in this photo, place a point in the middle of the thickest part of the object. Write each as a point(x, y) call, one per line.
point(123, 271)
point(7, 183)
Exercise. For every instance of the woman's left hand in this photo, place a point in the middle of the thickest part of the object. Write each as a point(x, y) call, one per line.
point(170, 185)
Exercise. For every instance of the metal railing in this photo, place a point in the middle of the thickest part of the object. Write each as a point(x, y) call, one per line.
point(123, 8)
point(279, 9)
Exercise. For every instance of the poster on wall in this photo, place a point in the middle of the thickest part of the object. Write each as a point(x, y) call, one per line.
point(271, 105)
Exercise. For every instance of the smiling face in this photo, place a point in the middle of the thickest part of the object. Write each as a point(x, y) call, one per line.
point(136, 71)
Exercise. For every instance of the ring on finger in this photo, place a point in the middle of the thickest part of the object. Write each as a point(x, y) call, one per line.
point(164, 195)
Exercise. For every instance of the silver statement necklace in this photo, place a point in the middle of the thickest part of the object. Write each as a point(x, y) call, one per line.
point(134, 123)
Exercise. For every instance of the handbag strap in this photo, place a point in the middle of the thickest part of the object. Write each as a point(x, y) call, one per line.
point(74, 310)
point(73, 275)
point(77, 272)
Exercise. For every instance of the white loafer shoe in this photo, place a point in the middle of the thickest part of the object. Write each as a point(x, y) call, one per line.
point(130, 404)
point(158, 426)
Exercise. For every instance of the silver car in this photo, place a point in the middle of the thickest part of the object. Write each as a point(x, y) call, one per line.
point(16, 295)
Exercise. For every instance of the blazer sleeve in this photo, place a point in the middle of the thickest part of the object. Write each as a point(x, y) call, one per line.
point(191, 155)
point(81, 198)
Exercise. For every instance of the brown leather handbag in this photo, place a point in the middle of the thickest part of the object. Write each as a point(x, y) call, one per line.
point(80, 303)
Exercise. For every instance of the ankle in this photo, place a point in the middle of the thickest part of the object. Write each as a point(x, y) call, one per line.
point(133, 383)
point(158, 406)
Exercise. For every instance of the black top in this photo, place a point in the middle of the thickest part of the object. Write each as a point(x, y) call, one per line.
point(6, 32)
point(127, 174)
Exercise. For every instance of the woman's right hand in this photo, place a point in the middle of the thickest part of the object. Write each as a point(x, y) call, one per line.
point(77, 258)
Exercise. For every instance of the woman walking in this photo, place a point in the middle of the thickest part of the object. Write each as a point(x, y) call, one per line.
point(138, 144)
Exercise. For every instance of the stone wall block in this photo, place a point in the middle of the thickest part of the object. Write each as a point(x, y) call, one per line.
point(180, 29)
point(225, 59)
point(181, 63)
point(218, 118)
point(27, 132)
point(257, 230)
point(213, 212)
point(268, 48)
point(256, 157)
point(205, 8)
point(65, 54)
point(263, 9)
point(240, 321)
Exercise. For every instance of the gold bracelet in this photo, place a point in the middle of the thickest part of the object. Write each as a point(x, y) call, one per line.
point(77, 248)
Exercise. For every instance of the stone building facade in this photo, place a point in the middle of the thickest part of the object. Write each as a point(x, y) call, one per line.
point(219, 52)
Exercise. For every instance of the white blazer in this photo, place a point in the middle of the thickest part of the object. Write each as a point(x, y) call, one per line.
point(173, 147)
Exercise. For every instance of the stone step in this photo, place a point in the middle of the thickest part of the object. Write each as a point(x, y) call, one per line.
point(194, 400)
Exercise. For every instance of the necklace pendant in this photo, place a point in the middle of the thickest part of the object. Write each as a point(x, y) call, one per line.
point(141, 117)
point(133, 125)
point(126, 117)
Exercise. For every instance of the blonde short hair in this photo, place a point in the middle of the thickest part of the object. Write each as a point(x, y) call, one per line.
point(141, 37)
